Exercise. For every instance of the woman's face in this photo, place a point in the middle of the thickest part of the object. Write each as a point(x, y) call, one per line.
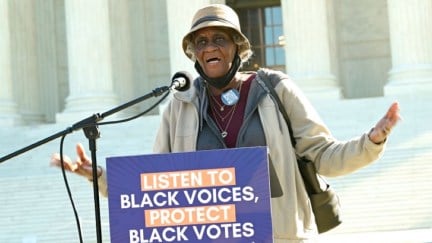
point(214, 50)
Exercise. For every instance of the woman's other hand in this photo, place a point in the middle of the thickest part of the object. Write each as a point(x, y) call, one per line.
point(384, 126)
point(81, 166)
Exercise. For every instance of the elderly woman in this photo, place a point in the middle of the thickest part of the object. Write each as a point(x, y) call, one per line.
point(227, 108)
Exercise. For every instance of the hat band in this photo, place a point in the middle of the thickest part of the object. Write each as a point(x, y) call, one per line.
point(211, 18)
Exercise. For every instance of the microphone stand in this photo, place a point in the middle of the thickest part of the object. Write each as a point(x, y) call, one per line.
point(91, 131)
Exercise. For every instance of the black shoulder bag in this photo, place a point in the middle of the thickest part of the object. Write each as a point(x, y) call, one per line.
point(324, 201)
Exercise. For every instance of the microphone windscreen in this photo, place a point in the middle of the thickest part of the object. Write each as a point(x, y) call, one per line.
point(183, 75)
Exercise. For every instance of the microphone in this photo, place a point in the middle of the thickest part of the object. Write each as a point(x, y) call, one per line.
point(181, 81)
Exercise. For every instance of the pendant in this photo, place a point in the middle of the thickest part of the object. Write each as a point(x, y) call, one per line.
point(224, 134)
point(230, 97)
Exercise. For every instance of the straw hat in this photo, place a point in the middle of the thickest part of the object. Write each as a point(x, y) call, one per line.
point(217, 15)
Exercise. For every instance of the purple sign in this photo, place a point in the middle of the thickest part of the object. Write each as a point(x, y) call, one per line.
point(203, 196)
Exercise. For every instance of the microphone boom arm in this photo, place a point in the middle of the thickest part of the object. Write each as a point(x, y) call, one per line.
point(91, 131)
point(89, 121)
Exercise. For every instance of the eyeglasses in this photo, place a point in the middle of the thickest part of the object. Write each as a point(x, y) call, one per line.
point(219, 40)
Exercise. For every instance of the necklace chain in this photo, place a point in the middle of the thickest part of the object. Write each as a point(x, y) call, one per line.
point(221, 107)
point(224, 132)
point(230, 114)
point(219, 114)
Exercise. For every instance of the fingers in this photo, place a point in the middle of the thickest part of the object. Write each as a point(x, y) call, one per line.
point(55, 159)
point(68, 164)
point(384, 126)
point(82, 165)
point(80, 151)
point(82, 157)
point(392, 116)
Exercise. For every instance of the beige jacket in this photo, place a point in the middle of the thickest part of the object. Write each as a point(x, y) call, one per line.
point(293, 220)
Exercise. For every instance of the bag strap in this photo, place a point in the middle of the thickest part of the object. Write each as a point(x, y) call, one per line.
point(280, 106)
point(314, 182)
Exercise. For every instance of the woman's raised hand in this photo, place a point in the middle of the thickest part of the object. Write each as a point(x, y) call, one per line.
point(384, 126)
point(81, 166)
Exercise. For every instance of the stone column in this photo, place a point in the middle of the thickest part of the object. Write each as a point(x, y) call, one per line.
point(24, 59)
point(48, 57)
point(8, 112)
point(307, 46)
point(411, 45)
point(123, 50)
point(89, 59)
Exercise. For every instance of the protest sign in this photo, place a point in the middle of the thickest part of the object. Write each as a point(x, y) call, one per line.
point(204, 196)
